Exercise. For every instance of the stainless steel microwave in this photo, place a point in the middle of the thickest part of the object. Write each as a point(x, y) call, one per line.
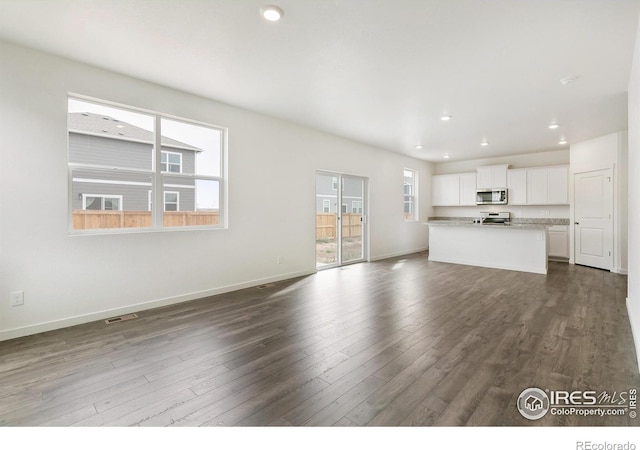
point(491, 197)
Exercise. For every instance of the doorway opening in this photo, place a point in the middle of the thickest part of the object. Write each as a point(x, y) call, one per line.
point(341, 217)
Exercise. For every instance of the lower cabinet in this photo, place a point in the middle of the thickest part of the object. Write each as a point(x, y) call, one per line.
point(559, 241)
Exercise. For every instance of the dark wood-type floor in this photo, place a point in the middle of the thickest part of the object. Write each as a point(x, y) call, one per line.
point(403, 342)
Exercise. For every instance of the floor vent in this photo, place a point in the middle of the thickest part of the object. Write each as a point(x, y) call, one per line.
point(121, 318)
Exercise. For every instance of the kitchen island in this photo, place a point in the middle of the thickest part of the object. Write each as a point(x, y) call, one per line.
point(521, 247)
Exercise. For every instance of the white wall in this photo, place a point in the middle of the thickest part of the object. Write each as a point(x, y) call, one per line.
point(272, 164)
point(633, 300)
point(539, 159)
point(610, 151)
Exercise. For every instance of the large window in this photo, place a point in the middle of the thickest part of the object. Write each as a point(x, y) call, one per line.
point(142, 159)
point(410, 195)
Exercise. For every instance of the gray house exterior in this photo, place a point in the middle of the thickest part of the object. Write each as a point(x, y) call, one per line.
point(327, 195)
point(98, 140)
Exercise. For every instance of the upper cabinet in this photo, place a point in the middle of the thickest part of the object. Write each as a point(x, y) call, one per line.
point(453, 189)
point(539, 186)
point(517, 186)
point(491, 177)
point(445, 190)
point(537, 189)
point(468, 189)
point(532, 186)
point(558, 185)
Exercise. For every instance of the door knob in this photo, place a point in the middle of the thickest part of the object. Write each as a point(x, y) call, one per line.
point(577, 223)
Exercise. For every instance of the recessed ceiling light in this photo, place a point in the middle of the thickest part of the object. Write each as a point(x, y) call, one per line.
point(562, 141)
point(569, 80)
point(484, 143)
point(446, 156)
point(418, 146)
point(553, 126)
point(445, 118)
point(271, 13)
point(120, 125)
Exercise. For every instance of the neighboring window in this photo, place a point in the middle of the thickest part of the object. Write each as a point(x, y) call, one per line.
point(171, 201)
point(171, 162)
point(118, 150)
point(335, 183)
point(356, 207)
point(93, 202)
point(344, 208)
point(410, 195)
point(326, 206)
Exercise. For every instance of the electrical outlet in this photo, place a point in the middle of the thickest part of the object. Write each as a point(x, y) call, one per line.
point(17, 298)
point(280, 259)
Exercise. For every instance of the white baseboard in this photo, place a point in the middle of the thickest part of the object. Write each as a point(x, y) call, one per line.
point(395, 255)
point(633, 309)
point(620, 271)
point(105, 314)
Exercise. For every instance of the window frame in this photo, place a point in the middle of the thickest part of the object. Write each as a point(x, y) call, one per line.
point(326, 206)
point(412, 202)
point(166, 152)
point(177, 202)
point(155, 173)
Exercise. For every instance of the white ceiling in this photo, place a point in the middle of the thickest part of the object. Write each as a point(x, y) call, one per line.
point(377, 71)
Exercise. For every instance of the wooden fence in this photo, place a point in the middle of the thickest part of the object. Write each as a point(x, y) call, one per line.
point(90, 220)
point(326, 225)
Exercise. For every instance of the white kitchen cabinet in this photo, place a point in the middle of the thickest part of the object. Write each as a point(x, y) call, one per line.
point(445, 190)
point(517, 185)
point(558, 185)
point(559, 241)
point(537, 188)
point(490, 177)
point(468, 189)
point(453, 189)
point(548, 185)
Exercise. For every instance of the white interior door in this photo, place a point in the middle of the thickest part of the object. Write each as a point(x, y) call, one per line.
point(593, 214)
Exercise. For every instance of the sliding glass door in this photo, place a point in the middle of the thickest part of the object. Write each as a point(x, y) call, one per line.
point(340, 219)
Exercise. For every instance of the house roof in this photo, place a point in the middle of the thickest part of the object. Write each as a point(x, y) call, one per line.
point(107, 126)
